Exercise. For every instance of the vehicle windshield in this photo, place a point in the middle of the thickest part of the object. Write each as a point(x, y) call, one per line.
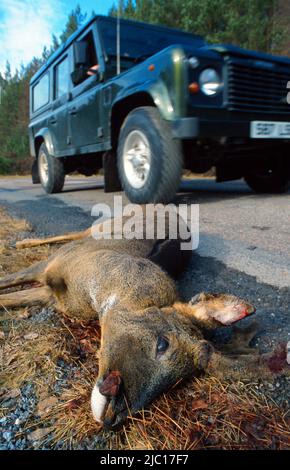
point(138, 41)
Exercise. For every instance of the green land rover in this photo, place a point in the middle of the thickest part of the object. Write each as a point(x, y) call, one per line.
point(145, 102)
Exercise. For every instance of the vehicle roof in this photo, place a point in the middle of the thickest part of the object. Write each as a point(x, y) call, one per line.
point(73, 37)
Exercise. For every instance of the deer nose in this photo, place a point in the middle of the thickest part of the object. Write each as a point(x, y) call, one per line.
point(111, 385)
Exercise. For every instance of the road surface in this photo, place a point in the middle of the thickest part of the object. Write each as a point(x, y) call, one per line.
point(244, 238)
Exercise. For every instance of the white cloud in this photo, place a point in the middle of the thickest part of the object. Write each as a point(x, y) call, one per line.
point(26, 26)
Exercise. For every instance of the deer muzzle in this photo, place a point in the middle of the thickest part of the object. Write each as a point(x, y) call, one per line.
point(103, 394)
point(111, 385)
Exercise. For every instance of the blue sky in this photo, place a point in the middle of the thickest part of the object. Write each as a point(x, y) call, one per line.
point(26, 26)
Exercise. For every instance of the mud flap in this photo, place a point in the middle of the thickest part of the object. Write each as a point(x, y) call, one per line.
point(34, 173)
point(111, 177)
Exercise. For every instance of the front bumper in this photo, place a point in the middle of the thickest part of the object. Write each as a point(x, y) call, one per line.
point(194, 127)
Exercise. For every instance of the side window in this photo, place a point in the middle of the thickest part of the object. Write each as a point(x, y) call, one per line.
point(91, 50)
point(41, 93)
point(61, 76)
point(82, 72)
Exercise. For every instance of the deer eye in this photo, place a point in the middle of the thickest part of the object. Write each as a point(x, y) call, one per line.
point(162, 345)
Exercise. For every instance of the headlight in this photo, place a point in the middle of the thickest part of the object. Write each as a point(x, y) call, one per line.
point(210, 82)
point(193, 62)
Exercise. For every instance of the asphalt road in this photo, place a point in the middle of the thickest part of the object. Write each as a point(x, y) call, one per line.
point(244, 238)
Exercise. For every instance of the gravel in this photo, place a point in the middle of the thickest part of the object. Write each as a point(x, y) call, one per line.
point(22, 408)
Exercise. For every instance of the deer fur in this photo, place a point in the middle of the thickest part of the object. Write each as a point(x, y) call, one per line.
point(150, 340)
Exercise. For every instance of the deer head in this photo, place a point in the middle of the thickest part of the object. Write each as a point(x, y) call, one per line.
point(145, 352)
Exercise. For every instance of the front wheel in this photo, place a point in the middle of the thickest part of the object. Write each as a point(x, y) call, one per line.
point(270, 180)
point(51, 171)
point(149, 159)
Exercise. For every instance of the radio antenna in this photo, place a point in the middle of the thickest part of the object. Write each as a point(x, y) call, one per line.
point(118, 40)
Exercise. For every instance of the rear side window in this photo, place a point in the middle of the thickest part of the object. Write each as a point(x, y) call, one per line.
point(41, 93)
point(62, 78)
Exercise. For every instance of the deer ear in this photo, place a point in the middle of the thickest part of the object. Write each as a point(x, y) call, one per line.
point(225, 309)
point(213, 310)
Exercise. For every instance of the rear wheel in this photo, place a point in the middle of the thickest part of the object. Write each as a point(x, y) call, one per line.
point(51, 171)
point(149, 160)
point(273, 179)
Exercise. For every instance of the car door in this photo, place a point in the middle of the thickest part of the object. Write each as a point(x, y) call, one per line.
point(85, 129)
point(58, 120)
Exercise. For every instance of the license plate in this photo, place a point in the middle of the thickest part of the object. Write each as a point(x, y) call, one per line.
point(270, 130)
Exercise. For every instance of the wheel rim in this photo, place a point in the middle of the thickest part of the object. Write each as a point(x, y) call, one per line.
point(43, 168)
point(137, 159)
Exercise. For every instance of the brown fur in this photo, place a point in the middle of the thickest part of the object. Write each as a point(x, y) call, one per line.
point(124, 284)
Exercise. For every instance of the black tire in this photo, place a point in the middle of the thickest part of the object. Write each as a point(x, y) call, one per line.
point(166, 161)
point(271, 180)
point(54, 180)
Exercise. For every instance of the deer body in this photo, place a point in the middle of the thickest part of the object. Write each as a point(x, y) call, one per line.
point(149, 339)
point(107, 277)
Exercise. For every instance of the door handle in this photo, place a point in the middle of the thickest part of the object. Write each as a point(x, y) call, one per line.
point(73, 111)
point(52, 120)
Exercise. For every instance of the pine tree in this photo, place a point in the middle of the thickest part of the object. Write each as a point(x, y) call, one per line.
point(55, 43)
point(14, 104)
point(75, 20)
point(246, 23)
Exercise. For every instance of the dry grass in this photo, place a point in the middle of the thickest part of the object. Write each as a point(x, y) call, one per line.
point(221, 410)
point(211, 414)
point(189, 175)
point(29, 351)
point(11, 260)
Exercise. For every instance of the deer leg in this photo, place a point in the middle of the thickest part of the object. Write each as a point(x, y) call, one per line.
point(30, 242)
point(67, 237)
point(240, 341)
point(26, 298)
point(26, 276)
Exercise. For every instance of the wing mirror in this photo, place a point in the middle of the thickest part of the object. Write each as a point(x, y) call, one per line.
point(82, 70)
point(80, 53)
point(80, 59)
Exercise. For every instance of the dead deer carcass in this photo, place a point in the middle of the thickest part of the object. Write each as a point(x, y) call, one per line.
point(149, 339)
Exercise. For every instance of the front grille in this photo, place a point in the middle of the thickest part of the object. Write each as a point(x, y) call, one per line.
point(257, 89)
